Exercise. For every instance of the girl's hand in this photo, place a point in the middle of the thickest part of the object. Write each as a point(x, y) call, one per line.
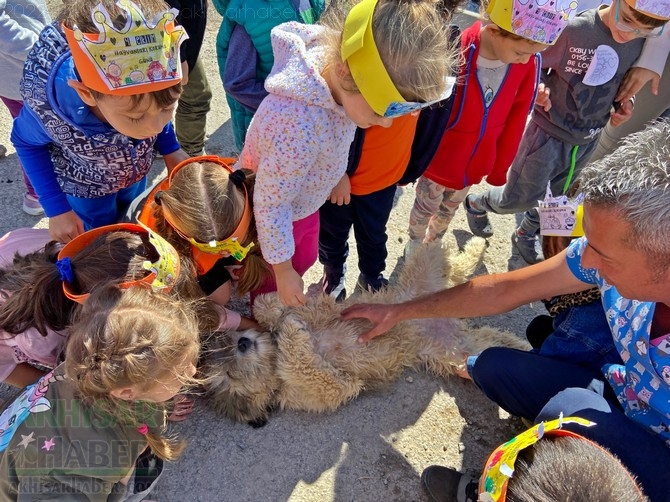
point(542, 98)
point(65, 227)
point(341, 194)
point(289, 285)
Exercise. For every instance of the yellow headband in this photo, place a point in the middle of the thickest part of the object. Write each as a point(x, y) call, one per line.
point(360, 52)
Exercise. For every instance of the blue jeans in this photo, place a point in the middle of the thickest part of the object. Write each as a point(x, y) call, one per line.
point(643, 453)
point(522, 383)
point(582, 336)
point(108, 209)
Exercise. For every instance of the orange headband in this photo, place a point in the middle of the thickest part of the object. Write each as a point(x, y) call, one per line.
point(232, 243)
point(163, 273)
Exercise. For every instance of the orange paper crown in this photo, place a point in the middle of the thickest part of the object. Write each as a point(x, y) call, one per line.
point(142, 57)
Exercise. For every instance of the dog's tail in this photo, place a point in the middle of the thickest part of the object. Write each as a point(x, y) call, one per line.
point(464, 264)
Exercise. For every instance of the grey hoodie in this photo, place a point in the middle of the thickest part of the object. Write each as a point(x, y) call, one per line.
point(20, 24)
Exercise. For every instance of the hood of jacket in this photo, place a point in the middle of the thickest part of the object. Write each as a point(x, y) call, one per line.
point(300, 57)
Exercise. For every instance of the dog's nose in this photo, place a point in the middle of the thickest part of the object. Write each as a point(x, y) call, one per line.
point(243, 344)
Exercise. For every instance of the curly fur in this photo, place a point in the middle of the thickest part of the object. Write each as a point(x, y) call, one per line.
point(311, 360)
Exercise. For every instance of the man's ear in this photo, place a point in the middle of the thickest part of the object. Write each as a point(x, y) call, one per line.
point(124, 393)
point(83, 92)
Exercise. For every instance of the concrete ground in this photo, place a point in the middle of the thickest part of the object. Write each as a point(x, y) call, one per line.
point(370, 450)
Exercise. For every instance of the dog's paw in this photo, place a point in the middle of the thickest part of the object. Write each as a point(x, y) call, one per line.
point(268, 310)
point(257, 423)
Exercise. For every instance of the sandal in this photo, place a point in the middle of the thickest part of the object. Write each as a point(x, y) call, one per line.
point(478, 221)
point(182, 407)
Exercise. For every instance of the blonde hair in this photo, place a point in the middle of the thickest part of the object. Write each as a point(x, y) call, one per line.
point(412, 40)
point(203, 203)
point(131, 338)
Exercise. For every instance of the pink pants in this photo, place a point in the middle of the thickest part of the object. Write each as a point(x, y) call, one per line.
point(306, 238)
point(14, 108)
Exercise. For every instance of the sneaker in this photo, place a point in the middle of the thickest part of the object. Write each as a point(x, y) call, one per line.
point(3, 151)
point(333, 285)
point(365, 284)
point(443, 484)
point(412, 246)
point(31, 205)
point(529, 247)
point(478, 221)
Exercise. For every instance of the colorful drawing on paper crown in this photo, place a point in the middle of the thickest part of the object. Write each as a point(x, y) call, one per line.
point(141, 57)
point(539, 20)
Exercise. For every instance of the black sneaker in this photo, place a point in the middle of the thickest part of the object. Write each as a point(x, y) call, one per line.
point(333, 285)
point(374, 285)
point(443, 484)
point(529, 247)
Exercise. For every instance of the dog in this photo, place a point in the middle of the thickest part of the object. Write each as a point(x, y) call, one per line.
point(309, 358)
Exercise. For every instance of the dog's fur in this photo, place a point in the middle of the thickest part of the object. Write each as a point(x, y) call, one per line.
point(311, 360)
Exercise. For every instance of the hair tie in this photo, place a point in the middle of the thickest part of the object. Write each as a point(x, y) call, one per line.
point(143, 429)
point(238, 177)
point(157, 197)
point(64, 267)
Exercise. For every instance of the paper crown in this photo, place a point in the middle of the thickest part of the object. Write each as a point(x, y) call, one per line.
point(500, 465)
point(163, 273)
point(141, 57)
point(561, 215)
point(652, 8)
point(541, 21)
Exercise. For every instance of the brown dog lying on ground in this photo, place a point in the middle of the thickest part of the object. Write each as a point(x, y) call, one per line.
point(311, 360)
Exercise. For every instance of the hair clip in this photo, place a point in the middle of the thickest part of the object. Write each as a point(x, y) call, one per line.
point(238, 177)
point(157, 197)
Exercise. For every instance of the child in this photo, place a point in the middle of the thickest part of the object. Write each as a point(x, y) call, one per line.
point(326, 81)
point(41, 290)
point(205, 210)
point(94, 428)
point(498, 79)
point(22, 22)
point(95, 110)
point(244, 37)
point(551, 461)
point(583, 72)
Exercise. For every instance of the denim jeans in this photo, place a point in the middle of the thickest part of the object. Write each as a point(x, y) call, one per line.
point(582, 336)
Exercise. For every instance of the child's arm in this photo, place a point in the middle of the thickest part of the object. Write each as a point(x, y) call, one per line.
point(23, 375)
point(542, 100)
point(32, 147)
point(649, 67)
point(341, 194)
point(240, 80)
point(168, 146)
point(290, 285)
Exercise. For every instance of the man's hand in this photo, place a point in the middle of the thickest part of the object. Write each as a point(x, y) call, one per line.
point(341, 194)
point(542, 100)
point(381, 317)
point(65, 227)
point(634, 81)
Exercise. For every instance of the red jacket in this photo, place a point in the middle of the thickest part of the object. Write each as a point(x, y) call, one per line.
point(480, 142)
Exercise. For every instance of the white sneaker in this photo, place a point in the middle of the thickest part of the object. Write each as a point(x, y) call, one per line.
point(31, 205)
